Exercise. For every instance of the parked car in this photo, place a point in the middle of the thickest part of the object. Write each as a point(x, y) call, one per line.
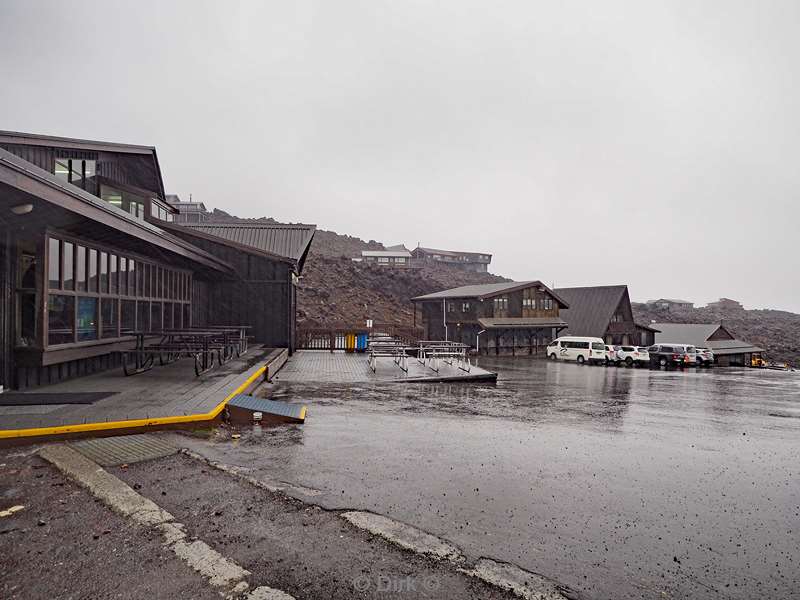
point(665, 355)
point(631, 355)
point(579, 349)
point(611, 355)
point(689, 354)
point(705, 357)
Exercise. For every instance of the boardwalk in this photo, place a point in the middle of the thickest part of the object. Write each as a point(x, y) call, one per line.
point(168, 391)
point(340, 367)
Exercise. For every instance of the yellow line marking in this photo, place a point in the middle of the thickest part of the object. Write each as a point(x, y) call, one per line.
point(82, 427)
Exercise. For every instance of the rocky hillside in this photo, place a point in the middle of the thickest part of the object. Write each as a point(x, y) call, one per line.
point(334, 290)
point(777, 331)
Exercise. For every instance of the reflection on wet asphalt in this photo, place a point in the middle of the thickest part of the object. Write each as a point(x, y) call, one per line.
point(622, 483)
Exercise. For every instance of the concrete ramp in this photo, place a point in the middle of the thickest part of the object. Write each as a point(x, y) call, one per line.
point(243, 409)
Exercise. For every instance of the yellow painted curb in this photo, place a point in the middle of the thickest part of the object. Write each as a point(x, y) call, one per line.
point(106, 425)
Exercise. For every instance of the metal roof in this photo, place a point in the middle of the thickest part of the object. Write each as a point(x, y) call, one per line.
point(37, 139)
point(277, 239)
point(512, 322)
point(390, 253)
point(451, 252)
point(591, 308)
point(488, 290)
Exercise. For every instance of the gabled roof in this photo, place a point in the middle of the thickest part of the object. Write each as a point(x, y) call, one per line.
point(488, 290)
point(670, 300)
point(37, 139)
point(57, 192)
point(591, 308)
point(275, 239)
point(388, 253)
point(697, 334)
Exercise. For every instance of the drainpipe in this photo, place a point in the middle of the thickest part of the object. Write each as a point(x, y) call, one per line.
point(444, 318)
point(478, 342)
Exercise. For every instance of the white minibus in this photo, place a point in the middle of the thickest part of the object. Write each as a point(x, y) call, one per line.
point(579, 349)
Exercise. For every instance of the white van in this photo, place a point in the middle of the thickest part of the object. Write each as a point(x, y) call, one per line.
point(579, 349)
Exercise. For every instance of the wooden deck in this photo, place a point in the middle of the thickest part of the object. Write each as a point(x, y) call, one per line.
point(341, 367)
point(170, 394)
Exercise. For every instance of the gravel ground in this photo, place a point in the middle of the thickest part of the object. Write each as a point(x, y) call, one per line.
point(66, 544)
point(298, 548)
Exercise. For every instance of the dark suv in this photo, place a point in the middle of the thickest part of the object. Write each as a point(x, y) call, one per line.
point(665, 355)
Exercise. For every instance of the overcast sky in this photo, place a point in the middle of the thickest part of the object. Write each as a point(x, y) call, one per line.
point(649, 143)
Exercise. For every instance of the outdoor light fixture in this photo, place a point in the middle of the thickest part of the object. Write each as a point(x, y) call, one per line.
point(22, 209)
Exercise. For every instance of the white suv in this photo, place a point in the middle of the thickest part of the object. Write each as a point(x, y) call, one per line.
point(705, 357)
point(631, 355)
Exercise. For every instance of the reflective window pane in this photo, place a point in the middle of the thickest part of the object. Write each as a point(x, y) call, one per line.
point(92, 270)
point(112, 273)
point(87, 318)
point(132, 269)
point(103, 273)
point(128, 318)
point(54, 264)
point(67, 265)
point(62, 168)
point(143, 315)
point(80, 269)
point(60, 317)
point(108, 316)
point(123, 276)
point(155, 316)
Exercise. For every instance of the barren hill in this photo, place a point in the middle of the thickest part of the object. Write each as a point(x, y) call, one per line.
point(335, 290)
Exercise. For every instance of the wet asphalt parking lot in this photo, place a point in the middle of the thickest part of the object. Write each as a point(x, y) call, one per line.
point(621, 483)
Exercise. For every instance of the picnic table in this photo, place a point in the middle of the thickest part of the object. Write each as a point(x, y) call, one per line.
point(201, 343)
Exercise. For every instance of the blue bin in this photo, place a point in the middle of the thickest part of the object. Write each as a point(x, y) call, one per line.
point(361, 342)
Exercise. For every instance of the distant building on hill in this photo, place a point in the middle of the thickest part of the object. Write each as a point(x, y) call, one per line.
point(188, 212)
point(726, 303)
point(393, 256)
point(728, 351)
point(468, 261)
point(669, 304)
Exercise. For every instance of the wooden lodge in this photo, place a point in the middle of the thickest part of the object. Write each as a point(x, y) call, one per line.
point(90, 252)
point(605, 312)
point(509, 318)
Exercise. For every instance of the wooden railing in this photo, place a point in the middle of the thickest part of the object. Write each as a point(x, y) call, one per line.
point(344, 337)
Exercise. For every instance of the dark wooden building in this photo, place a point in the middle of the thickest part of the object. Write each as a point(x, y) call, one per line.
point(513, 317)
point(468, 261)
point(604, 312)
point(89, 252)
point(728, 350)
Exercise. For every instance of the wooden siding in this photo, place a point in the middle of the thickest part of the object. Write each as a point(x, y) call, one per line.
point(261, 295)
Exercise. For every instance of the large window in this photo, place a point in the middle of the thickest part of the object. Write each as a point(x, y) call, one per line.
point(60, 319)
point(79, 172)
point(87, 318)
point(130, 203)
point(98, 293)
